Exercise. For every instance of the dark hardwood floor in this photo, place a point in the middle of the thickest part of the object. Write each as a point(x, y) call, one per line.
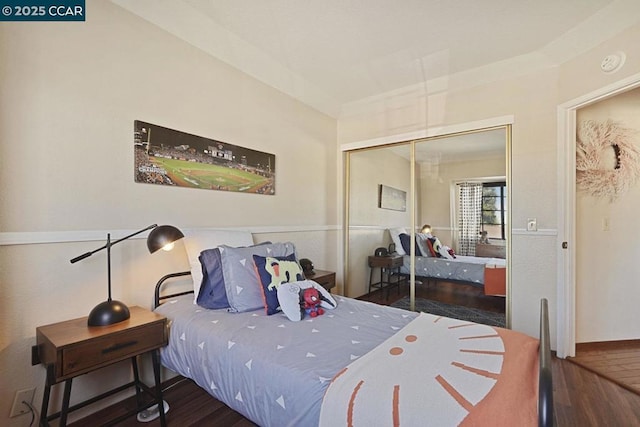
point(448, 292)
point(619, 361)
point(581, 397)
point(189, 406)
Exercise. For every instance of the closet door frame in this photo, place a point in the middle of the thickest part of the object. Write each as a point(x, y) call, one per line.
point(412, 138)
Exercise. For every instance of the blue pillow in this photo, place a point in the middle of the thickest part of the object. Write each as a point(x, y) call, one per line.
point(274, 271)
point(212, 292)
point(405, 240)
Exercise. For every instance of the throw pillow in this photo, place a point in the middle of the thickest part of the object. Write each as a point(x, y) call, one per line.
point(199, 240)
point(444, 252)
point(273, 271)
point(435, 245)
point(405, 240)
point(212, 293)
point(395, 238)
point(289, 298)
point(422, 243)
point(240, 279)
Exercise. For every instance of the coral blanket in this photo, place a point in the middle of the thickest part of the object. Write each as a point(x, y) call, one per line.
point(442, 372)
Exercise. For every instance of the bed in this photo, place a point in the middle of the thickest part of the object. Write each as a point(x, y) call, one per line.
point(329, 370)
point(434, 261)
point(488, 273)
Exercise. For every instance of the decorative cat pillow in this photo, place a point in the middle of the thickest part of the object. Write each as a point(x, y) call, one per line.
point(273, 272)
point(289, 298)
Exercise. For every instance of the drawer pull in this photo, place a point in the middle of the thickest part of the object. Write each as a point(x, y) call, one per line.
point(119, 346)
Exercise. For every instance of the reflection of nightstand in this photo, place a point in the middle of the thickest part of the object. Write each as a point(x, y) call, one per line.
point(490, 251)
point(327, 279)
point(389, 267)
point(69, 349)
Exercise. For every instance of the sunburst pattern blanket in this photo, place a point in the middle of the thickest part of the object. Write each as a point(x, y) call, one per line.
point(439, 371)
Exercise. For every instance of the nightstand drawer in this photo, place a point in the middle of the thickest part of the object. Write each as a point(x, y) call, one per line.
point(326, 279)
point(89, 355)
point(386, 261)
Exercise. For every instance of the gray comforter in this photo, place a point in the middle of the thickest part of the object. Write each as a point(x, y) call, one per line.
point(272, 370)
point(463, 268)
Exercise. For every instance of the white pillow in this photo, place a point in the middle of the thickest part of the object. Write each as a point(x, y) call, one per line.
point(395, 238)
point(289, 298)
point(444, 252)
point(200, 240)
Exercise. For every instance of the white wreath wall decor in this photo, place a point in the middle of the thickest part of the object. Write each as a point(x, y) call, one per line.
point(593, 174)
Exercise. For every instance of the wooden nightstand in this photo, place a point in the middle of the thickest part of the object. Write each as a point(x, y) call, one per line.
point(71, 348)
point(389, 268)
point(490, 251)
point(326, 279)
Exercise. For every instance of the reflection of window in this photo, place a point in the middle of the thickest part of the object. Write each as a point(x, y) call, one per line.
point(469, 217)
point(494, 206)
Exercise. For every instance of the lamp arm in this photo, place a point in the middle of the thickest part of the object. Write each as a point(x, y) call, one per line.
point(109, 244)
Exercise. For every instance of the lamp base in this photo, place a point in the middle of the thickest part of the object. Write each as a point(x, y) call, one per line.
point(107, 313)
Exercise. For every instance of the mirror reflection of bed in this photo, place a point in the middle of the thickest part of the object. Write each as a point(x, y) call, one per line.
point(442, 166)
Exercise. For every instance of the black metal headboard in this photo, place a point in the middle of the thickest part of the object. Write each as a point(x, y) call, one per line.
point(157, 298)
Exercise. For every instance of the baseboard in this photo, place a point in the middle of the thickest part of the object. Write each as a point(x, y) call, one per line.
point(608, 345)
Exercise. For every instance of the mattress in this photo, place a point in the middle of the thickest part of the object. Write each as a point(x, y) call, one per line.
point(462, 268)
point(271, 370)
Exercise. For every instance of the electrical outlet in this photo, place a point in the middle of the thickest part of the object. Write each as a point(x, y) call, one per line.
point(532, 224)
point(20, 408)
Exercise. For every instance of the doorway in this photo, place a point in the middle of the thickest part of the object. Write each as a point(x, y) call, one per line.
point(571, 306)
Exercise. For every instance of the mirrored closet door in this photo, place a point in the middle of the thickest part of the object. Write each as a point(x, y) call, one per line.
point(428, 181)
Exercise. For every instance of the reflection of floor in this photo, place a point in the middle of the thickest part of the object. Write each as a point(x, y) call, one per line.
point(618, 361)
point(447, 292)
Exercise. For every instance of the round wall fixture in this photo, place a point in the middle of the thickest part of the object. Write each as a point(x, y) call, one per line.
point(612, 63)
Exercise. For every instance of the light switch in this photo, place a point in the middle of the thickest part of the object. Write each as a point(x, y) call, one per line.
point(532, 224)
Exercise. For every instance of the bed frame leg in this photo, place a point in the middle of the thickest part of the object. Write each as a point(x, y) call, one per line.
point(546, 415)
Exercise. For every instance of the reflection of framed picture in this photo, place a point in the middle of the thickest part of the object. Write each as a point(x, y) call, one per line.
point(392, 198)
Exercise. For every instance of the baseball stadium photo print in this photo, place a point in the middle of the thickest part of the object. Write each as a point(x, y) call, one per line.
point(169, 157)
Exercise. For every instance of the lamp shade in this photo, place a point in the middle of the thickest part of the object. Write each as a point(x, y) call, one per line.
point(425, 229)
point(162, 236)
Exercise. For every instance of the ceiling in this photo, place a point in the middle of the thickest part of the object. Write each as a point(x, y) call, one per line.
point(331, 54)
point(463, 147)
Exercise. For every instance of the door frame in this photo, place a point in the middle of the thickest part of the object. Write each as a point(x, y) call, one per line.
point(566, 286)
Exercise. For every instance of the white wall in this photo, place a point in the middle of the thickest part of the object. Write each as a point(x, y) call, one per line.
point(606, 260)
point(70, 94)
point(436, 191)
point(532, 99)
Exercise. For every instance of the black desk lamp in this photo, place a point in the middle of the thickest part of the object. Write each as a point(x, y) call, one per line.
point(110, 311)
